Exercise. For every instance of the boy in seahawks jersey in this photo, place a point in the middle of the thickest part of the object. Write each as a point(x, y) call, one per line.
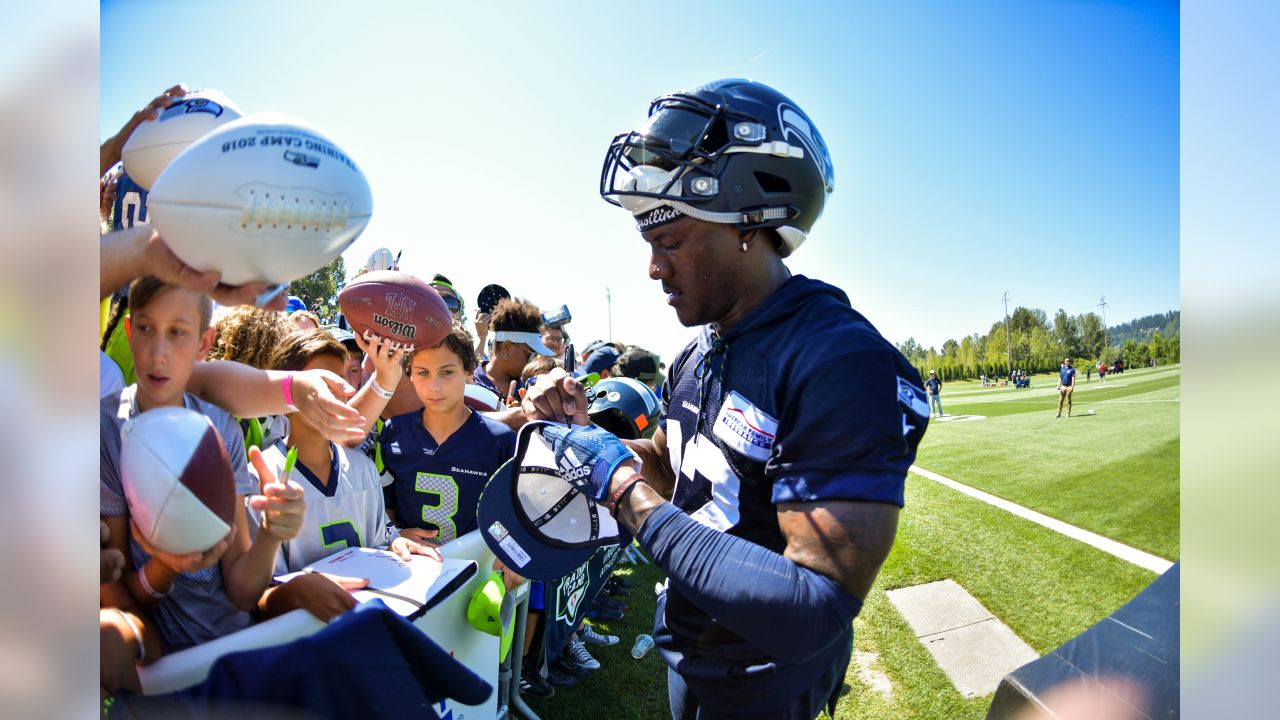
point(439, 458)
point(341, 487)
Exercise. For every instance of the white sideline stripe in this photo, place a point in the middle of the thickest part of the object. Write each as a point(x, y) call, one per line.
point(1144, 560)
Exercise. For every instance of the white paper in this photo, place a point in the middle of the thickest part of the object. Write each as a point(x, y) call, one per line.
point(404, 586)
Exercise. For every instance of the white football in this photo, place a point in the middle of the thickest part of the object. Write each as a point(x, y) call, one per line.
point(155, 143)
point(177, 479)
point(267, 198)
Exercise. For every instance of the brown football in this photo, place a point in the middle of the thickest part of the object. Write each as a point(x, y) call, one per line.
point(395, 305)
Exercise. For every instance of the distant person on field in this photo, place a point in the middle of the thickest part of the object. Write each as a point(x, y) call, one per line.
point(1066, 385)
point(934, 386)
point(1102, 371)
point(1088, 372)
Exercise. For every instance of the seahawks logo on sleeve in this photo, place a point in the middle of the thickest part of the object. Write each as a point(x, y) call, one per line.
point(912, 398)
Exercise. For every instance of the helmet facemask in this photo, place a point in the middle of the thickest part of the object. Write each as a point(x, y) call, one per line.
point(679, 163)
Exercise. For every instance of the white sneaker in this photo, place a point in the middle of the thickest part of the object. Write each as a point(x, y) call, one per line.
point(577, 652)
point(589, 634)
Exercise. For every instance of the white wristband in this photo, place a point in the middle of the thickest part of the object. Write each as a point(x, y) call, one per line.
point(380, 391)
point(137, 635)
point(146, 586)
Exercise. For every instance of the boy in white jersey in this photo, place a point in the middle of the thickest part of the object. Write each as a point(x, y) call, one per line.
point(341, 487)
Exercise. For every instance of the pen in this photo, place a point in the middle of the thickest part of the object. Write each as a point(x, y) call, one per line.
point(289, 461)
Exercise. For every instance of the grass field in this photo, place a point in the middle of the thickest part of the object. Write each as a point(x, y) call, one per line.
point(1115, 473)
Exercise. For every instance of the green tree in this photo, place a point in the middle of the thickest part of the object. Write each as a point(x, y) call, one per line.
point(1092, 337)
point(1157, 348)
point(1134, 353)
point(951, 349)
point(1066, 332)
point(911, 350)
point(319, 290)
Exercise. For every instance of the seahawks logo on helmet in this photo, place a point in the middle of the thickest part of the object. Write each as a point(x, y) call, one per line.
point(793, 122)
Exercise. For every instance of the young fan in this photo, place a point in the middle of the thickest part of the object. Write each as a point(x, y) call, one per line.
point(341, 489)
point(440, 457)
point(248, 334)
point(197, 597)
point(517, 337)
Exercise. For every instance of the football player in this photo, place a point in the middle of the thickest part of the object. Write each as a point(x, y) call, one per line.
point(769, 500)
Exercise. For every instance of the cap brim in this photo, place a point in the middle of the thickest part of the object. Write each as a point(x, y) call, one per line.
point(508, 616)
point(539, 347)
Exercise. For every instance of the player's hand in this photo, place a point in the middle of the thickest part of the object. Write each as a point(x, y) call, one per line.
point(321, 397)
point(110, 560)
point(386, 356)
point(109, 152)
point(323, 595)
point(280, 503)
point(598, 449)
point(513, 394)
point(556, 396)
point(191, 562)
point(418, 535)
point(482, 324)
point(403, 547)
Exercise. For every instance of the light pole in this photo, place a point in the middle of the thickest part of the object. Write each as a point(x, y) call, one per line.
point(608, 299)
point(1008, 341)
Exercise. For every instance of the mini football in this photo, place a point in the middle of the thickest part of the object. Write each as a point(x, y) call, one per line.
point(395, 305)
point(155, 143)
point(266, 198)
point(177, 479)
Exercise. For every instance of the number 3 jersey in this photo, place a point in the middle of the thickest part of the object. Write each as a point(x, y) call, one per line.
point(803, 401)
point(437, 486)
point(347, 512)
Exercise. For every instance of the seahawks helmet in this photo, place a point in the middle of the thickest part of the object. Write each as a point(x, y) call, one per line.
point(732, 151)
point(625, 407)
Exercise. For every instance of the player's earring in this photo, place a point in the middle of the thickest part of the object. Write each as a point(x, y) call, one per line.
point(504, 356)
point(744, 246)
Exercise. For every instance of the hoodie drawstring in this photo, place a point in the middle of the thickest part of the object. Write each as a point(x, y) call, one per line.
point(719, 348)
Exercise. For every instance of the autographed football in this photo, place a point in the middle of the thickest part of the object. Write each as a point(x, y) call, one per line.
point(265, 198)
point(155, 143)
point(395, 305)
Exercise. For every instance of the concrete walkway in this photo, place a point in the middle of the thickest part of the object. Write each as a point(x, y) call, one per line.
point(1142, 559)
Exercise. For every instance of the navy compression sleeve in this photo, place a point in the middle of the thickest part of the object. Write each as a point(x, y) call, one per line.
point(788, 611)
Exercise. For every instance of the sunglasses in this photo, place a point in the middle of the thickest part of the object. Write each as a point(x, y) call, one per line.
point(452, 303)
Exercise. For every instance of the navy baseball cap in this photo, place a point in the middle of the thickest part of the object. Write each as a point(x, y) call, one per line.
point(533, 516)
point(346, 337)
point(604, 358)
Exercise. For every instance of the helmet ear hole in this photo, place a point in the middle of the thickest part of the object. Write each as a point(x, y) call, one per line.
point(770, 183)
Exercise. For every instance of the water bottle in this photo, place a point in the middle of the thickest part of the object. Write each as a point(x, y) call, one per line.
point(644, 644)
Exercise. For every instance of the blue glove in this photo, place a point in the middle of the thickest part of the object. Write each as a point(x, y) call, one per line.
point(589, 454)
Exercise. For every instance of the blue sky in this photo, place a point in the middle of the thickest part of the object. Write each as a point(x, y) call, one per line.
point(978, 147)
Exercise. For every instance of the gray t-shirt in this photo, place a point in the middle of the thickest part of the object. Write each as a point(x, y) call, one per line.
point(197, 609)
